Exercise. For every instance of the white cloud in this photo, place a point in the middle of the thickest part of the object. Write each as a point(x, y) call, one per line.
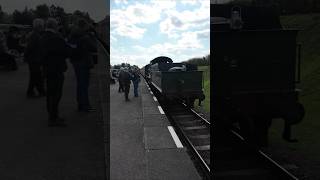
point(190, 2)
point(203, 34)
point(144, 58)
point(121, 1)
point(129, 18)
point(113, 39)
point(177, 22)
point(187, 30)
point(186, 47)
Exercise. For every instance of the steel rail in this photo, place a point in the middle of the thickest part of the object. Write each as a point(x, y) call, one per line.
point(269, 159)
point(192, 147)
point(185, 137)
point(197, 114)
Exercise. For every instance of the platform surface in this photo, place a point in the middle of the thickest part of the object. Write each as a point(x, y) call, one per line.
point(141, 146)
point(30, 150)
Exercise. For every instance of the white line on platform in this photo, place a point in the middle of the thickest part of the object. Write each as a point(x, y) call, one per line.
point(154, 98)
point(151, 92)
point(175, 137)
point(161, 110)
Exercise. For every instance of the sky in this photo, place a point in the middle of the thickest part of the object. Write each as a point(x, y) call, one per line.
point(97, 9)
point(143, 30)
point(220, 1)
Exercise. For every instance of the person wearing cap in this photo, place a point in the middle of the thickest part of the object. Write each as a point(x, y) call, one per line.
point(33, 58)
point(54, 51)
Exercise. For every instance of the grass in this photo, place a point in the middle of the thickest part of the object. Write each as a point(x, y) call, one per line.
point(307, 132)
point(206, 87)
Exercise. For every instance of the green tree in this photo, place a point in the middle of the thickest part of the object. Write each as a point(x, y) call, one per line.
point(24, 17)
point(85, 15)
point(59, 13)
point(1, 15)
point(42, 11)
point(17, 17)
point(28, 16)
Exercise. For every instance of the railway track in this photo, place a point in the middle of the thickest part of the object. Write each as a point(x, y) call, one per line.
point(194, 130)
point(234, 159)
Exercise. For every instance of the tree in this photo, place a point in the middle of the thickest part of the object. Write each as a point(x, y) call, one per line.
point(28, 16)
point(85, 15)
point(17, 17)
point(200, 61)
point(25, 17)
point(42, 11)
point(59, 13)
point(1, 14)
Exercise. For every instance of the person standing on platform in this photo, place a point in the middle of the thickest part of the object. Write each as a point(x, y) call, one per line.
point(82, 60)
point(121, 88)
point(54, 53)
point(13, 39)
point(32, 57)
point(135, 81)
point(6, 59)
point(125, 78)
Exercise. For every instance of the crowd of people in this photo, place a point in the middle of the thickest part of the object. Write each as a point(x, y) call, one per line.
point(47, 49)
point(12, 44)
point(126, 75)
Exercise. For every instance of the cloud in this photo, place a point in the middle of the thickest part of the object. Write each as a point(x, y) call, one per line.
point(121, 1)
point(176, 21)
point(187, 29)
point(189, 2)
point(113, 39)
point(203, 34)
point(186, 47)
point(142, 59)
point(133, 16)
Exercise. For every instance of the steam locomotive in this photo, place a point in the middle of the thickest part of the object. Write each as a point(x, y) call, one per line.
point(256, 67)
point(175, 80)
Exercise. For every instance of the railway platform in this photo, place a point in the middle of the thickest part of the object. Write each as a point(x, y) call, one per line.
point(30, 150)
point(143, 144)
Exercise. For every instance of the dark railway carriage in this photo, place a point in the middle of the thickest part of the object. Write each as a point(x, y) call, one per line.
point(256, 68)
point(175, 80)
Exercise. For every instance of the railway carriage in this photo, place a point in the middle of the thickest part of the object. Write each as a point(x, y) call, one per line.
point(255, 70)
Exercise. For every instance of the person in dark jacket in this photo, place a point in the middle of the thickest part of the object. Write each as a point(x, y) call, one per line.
point(7, 60)
point(33, 58)
point(135, 81)
point(82, 60)
point(13, 39)
point(125, 78)
point(121, 88)
point(54, 54)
